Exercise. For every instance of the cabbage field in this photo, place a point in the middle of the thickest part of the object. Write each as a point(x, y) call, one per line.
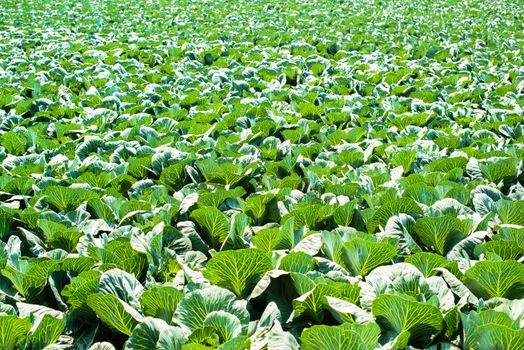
point(252, 174)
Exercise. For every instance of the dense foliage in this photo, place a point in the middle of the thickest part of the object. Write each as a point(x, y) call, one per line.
point(261, 174)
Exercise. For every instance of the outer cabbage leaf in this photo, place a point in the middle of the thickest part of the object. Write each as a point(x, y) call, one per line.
point(156, 334)
point(46, 330)
point(488, 279)
point(160, 302)
point(361, 256)
point(14, 331)
point(400, 313)
point(238, 270)
point(439, 233)
point(226, 325)
point(490, 329)
point(192, 311)
point(394, 207)
point(114, 312)
point(213, 224)
point(426, 262)
point(79, 289)
point(358, 337)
